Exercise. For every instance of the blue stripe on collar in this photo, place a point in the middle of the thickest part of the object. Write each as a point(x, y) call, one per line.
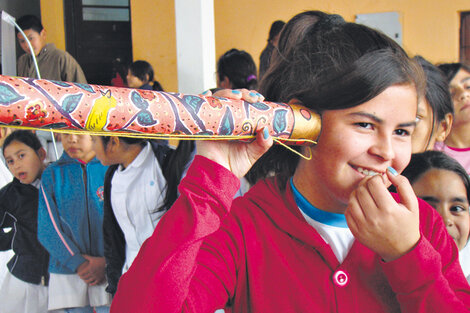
point(324, 217)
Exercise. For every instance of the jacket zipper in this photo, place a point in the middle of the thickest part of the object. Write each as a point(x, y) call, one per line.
point(85, 180)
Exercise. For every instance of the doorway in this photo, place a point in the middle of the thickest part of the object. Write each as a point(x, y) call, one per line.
point(98, 32)
point(465, 36)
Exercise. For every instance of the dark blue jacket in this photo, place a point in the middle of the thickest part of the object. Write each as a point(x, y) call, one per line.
point(19, 211)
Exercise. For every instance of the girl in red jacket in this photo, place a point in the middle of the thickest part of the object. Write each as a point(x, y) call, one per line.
point(322, 235)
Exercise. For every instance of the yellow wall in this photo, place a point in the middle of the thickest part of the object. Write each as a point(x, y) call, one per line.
point(154, 38)
point(430, 27)
point(52, 18)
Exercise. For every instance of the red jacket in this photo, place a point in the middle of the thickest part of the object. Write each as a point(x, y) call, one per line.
point(264, 257)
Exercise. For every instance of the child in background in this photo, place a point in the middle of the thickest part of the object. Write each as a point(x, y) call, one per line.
point(324, 234)
point(24, 288)
point(140, 75)
point(457, 144)
point(70, 225)
point(443, 183)
point(435, 110)
point(235, 70)
point(140, 186)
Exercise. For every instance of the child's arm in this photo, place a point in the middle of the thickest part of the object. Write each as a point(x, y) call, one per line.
point(6, 221)
point(52, 229)
point(164, 277)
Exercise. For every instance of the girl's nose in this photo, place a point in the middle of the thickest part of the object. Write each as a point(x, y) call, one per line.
point(447, 217)
point(383, 148)
point(463, 95)
point(72, 138)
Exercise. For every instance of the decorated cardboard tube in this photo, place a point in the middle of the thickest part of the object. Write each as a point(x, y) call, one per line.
point(67, 107)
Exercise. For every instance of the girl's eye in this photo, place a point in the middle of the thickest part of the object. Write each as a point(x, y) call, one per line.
point(418, 119)
point(402, 132)
point(9, 162)
point(458, 209)
point(364, 125)
point(20, 156)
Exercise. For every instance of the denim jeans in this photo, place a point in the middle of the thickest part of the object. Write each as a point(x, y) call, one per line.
point(88, 309)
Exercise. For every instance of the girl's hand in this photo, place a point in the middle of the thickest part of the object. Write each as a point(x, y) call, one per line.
point(238, 157)
point(389, 228)
point(92, 271)
point(236, 94)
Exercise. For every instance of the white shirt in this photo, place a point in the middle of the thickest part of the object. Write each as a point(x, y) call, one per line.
point(340, 239)
point(464, 259)
point(136, 193)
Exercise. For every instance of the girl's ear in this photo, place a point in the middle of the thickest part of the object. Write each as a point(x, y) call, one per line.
point(444, 127)
point(42, 154)
point(225, 83)
point(113, 144)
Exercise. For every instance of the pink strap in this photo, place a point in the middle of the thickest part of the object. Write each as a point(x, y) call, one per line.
point(53, 222)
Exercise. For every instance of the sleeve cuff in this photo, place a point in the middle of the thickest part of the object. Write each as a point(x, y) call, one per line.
point(75, 261)
point(413, 270)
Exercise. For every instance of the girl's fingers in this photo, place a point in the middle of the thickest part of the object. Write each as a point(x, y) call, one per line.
point(229, 94)
point(237, 94)
point(206, 93)
point(365, 199)
point(354, 213)
point(263, 142)
point(251, 95)
point(404, 190)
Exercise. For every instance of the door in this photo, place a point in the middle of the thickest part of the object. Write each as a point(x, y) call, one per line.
point(465, 37)
point(98, 32)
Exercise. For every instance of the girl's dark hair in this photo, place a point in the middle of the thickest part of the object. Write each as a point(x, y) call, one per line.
point(127, 140)
point(144, 71)
point(437, 91)
point(240, 69)
point(329, 64)
point(451, 69)
point(420, 163)
point(275, 29)
point(173, 166)
point(23, 136)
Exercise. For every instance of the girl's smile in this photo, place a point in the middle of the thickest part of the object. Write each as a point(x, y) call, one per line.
point(356, 143)
point(368, 172)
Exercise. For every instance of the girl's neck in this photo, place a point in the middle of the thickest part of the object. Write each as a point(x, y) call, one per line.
point(318, 198)
point(459, 136)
